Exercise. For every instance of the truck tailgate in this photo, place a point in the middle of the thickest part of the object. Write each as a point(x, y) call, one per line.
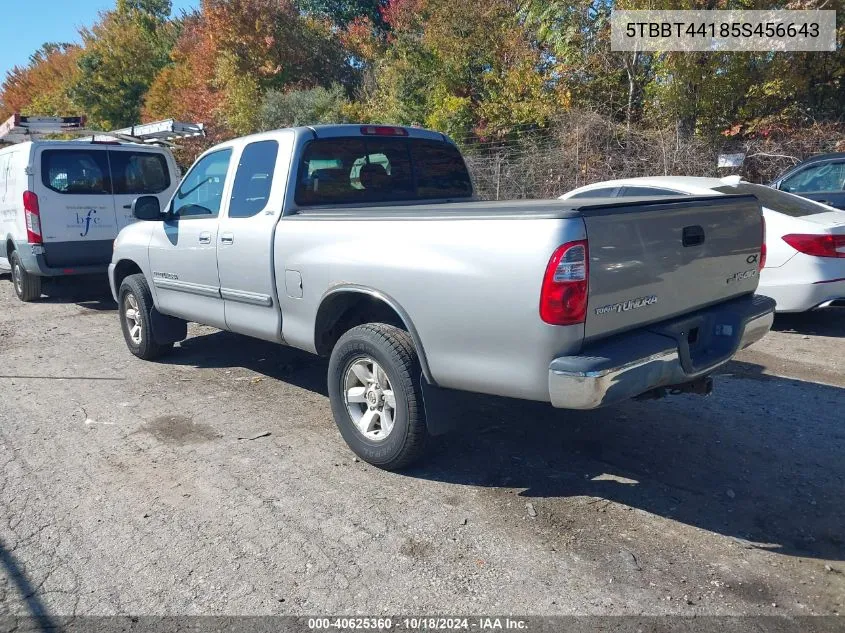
point(654, 259)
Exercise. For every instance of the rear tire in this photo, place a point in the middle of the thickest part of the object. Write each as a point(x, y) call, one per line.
point(376, 397)
point(27, 286)
point(135, 306)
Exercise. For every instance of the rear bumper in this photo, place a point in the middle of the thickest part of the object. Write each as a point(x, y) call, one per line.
point(660, 355)
point(803, 297)
point(34, 261)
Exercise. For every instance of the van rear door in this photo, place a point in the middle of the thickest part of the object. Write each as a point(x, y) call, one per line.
point(140, 171)
point(78, 221)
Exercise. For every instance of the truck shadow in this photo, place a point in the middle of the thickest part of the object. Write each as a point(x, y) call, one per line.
point(225, 350)
point(825, 322)
point(91, 292)
point(752, 462)
point(761, 460)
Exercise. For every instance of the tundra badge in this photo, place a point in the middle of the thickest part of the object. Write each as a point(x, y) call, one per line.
point(630, 304)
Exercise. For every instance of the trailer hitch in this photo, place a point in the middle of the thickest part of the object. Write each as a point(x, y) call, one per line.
point(700, 386)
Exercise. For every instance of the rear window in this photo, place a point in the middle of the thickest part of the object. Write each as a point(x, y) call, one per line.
point(352, 170)
point(775, 200)
point(73, 171)
point(649, 191)
point(139, 173)
point(605, 192)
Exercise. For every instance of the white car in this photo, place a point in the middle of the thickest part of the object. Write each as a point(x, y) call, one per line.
point(62, 204)
point(805, 240)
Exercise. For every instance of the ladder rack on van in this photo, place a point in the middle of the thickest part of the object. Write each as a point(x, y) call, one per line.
point(158, 133)
point(19, 129)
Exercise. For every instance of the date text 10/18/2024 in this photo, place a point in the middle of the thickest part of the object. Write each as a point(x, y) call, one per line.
point(418, 624)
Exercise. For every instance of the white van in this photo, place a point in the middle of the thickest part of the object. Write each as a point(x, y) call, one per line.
point(62, 203)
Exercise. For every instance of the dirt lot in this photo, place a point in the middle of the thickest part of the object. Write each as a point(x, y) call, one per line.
point(215, 482)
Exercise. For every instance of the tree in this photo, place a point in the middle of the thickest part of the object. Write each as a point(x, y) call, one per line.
point(464, 68)
point(232, 52)
point(576, 36)
point(124, 52)
point(344, 12)
point(303, 107)
point(41, 87)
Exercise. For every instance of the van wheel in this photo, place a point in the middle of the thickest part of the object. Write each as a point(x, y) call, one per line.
point(376, 398)
point(27, 285)
point(135, 309)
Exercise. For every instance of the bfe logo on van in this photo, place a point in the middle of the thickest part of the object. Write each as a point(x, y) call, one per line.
point(85, 221)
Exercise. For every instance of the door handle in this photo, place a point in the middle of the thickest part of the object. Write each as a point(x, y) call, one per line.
point(227, 238)
point(127, 206)
point(205, 238)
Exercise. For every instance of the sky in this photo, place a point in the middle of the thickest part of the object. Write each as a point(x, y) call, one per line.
point(27, 24)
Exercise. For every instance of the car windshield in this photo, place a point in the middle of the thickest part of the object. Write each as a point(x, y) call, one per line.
point(775, 200)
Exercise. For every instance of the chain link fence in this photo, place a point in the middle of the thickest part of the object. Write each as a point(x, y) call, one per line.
point(583, 147)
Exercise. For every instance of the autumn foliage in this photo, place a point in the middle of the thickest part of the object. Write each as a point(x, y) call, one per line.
point(485, 72)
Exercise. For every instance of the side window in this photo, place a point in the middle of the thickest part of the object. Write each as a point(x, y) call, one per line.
point(201, 193)
point(253, 180)
point(825, 177)
point(72, 171)
point(139, 173)
point(649, 191)
point(604, 192)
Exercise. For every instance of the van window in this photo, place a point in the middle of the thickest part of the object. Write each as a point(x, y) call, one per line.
point(201, 193)
point(139, 173)
point(366, 170)
point(253, 180)
point(73, 171)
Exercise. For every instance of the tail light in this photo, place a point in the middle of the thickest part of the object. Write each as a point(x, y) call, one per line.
point(762, 260)
point(383, 130)
point(33, 218)
point(817, 245)
point(563, 298)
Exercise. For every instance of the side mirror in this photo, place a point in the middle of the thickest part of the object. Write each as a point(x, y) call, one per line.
point(146, 208)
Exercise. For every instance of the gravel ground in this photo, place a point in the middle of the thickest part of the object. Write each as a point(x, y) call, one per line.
point(215, 482)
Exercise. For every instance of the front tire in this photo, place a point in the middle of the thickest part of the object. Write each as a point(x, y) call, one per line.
point(27, 286)
point(376, 398)
point(135, 308)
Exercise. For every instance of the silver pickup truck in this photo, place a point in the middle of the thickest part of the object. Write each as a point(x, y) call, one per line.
point(365, 244)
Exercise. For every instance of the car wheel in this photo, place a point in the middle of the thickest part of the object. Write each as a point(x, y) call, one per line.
point(376, 398)
point(135, 310)
point(27, 286)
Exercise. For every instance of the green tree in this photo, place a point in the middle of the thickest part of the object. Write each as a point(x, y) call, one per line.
point(464, 68)
point(344, 12)
point(303, 107)
point(124, 52)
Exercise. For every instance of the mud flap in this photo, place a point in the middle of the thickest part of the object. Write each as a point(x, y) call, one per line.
point(446, 409)
point(167, 329)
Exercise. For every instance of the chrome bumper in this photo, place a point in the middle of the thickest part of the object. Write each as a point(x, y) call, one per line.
point(636, 362)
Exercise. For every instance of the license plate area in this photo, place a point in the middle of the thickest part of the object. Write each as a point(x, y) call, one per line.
point(704, 341)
